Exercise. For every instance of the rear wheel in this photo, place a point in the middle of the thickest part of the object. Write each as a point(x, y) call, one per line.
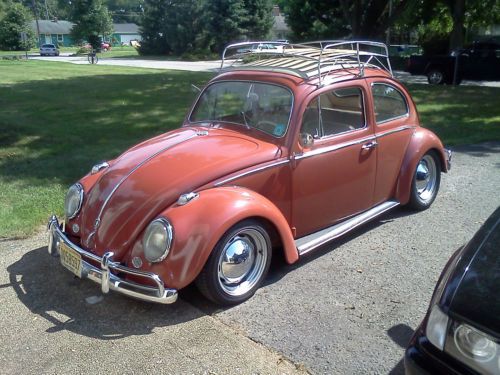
point(426, 181)
point(238, 264)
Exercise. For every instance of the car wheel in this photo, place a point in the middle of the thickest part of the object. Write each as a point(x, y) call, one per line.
point(238, 264)
point(435, 77)
point(426, 181)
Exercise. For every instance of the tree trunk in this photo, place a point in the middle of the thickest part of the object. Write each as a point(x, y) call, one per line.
point(458, 16)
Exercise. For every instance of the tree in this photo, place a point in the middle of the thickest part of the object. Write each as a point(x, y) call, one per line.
point(226, 22)
point(313, 19)
point(92, 20)
point(259, 18)
point(16, 21)
point(125, 10)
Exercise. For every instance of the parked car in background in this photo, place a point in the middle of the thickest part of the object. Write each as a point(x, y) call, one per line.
point(278, 155)
point(480, 61)
point(105, 46)
point(460, 333)
point(49, 50)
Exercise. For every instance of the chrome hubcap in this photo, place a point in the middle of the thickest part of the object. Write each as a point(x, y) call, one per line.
point(436, 77)
point(425, 178)
point(242, 261)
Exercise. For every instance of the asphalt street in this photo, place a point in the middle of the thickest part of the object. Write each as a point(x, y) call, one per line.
point(348, 309)
point(212, 66)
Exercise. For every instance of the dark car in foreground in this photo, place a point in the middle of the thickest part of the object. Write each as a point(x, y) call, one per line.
point(461, 331)
point(479, 61)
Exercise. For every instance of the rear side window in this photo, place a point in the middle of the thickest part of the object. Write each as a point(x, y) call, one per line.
point(389, 103)
point(334, 112)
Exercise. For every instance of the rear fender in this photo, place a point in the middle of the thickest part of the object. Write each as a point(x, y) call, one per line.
point(422, 141)
point(199, 225)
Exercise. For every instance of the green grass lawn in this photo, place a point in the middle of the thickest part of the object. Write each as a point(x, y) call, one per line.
point(58, 119)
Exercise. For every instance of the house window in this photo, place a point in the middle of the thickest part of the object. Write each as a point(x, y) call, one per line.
point(60, 37)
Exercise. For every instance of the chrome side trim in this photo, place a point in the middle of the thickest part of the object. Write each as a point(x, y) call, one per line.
point(243, 174)
point(336, 147)
point(352, 143)
point(104, 276)
point(315, 240)
point(396, 130)
point(98, 219)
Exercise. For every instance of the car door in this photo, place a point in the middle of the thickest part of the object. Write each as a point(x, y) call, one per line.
point(395, 120)
point(333, 172)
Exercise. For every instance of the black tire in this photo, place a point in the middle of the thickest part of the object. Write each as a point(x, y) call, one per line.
point(426, 182)
point(436, 76)
point(227, 278)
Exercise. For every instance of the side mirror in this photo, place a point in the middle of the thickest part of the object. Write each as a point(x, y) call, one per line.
point(306, 140)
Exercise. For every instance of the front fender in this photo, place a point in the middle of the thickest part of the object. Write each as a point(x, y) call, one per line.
point(422, 141)
point(200, 224)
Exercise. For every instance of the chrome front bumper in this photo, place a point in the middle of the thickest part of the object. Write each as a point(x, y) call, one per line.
point(103, 275)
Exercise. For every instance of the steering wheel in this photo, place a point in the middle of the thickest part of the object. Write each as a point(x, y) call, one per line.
point(266, 125)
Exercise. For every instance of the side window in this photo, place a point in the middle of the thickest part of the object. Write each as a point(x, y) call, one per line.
point(335, 112)
point(389, 103)
point(342, 111)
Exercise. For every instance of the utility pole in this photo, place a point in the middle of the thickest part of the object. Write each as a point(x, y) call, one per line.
point(36, 20)
point(46, 10)
point(388, 35)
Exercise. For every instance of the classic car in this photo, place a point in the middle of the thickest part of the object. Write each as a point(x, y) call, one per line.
point(280, 153)
point(460, 333)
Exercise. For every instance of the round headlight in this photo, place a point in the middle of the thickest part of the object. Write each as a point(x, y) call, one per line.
point(157, 240)
point(73, 201)
point(474, 344)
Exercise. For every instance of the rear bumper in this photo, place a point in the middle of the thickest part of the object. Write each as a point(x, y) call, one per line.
point(104, 276)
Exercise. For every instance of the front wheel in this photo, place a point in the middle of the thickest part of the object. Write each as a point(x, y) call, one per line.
point(426, 181)
point(435, 77)
point(238, 264)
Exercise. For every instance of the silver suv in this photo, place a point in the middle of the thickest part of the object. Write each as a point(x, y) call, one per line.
point(48, 50)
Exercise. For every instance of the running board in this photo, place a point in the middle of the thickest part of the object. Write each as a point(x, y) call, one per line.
point(312, 241)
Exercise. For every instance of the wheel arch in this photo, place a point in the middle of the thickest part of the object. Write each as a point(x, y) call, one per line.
point(422, 141)
point(200, 224)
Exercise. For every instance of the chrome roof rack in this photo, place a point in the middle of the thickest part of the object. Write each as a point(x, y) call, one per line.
point(308, 60)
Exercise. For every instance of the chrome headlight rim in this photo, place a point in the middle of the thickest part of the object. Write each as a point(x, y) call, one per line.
point(169, 238)
point(80, 193)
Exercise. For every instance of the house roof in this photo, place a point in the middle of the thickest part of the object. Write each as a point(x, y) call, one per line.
point(126, 28)
point(53, 27)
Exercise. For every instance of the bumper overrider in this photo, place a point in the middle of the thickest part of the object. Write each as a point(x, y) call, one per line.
point(74, 259)
point(449, 156)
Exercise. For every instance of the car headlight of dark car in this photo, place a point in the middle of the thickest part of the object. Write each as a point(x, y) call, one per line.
point(157, 240)
point(459, 339)
point(73, 201)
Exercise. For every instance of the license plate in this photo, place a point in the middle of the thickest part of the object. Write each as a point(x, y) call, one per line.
point(71, 259)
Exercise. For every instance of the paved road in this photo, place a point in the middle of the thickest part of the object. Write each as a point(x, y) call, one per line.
point(213, 66)
point(349, 309)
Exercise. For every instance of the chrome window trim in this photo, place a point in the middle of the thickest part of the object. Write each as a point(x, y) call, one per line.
point(407, 114)
point(252, 171)
point(339, 146)
point(240, 124)
point(330, 136)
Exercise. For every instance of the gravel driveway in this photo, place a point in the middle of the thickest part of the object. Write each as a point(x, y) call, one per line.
point(349, 308)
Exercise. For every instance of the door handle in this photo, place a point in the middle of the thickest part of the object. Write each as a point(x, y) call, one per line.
point(369, 145)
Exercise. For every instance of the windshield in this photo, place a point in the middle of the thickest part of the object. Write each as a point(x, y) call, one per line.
point(254, 105)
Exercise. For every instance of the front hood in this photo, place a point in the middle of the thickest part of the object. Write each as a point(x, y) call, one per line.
point(149, 177)
point(476, 297)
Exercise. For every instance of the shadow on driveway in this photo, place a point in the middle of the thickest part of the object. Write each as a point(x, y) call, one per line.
point(47, 290)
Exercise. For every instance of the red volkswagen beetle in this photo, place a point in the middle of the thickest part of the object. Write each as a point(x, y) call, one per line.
point(281, 152)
